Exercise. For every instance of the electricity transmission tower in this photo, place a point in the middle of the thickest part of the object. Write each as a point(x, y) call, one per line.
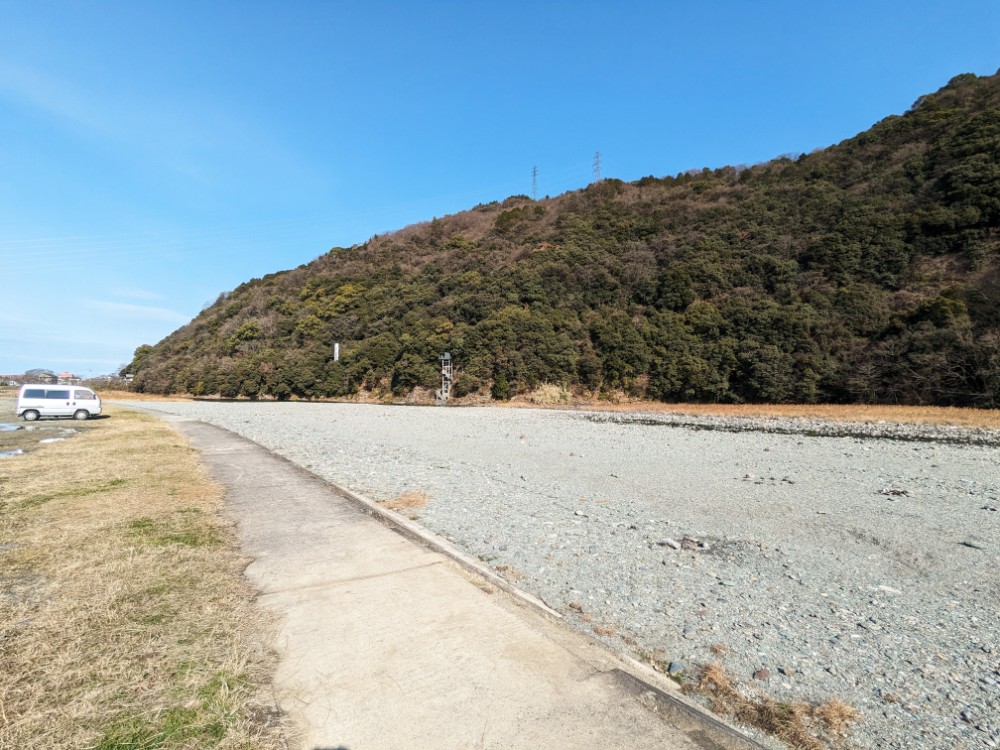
point(534, 183)
point(597, 166)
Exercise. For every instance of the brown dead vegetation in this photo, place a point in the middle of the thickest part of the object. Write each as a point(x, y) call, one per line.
point(939, 415)
point(803, 726)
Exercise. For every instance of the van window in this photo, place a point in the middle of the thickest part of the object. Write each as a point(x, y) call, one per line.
point(82, 395)
point(34, 393)
point(64, 395)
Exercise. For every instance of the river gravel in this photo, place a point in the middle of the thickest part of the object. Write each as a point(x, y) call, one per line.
point(851, 561)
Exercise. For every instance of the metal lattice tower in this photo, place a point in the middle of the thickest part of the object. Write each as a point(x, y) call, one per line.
point(447, 375)
point(534, 183)
point(597, 166)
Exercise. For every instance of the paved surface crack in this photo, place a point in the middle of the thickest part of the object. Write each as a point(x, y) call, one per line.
point(352, 579)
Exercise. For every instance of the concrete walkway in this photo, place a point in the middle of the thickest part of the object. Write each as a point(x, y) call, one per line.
point(385, 642)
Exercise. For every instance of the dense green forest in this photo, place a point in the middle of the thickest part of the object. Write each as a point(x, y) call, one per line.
point(865, 272)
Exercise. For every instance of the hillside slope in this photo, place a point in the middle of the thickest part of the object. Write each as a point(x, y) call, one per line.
point(868, 271)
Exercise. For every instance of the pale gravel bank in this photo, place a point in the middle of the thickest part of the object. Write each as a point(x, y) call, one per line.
point(858, 562)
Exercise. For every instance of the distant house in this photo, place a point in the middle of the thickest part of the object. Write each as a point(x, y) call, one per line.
point(68, 378)
point(10, 379)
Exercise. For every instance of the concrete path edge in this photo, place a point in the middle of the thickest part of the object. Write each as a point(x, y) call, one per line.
point(636, 678)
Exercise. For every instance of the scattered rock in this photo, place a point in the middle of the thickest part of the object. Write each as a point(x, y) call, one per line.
point(689, 543)
point(763, 674)
point(972, 544)
point(676, 667)
point(668, 542)
point(895, 492)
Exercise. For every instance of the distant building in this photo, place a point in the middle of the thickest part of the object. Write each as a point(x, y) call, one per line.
point(68, 378)
point(10, 379)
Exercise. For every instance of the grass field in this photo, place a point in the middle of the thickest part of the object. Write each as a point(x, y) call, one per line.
point(125, 621)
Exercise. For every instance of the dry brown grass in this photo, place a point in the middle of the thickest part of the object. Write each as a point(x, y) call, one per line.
point(548, 394)
point(406, 501)
point(125, 619)
point(110, 395)
point(941, 415)
point(803, 726)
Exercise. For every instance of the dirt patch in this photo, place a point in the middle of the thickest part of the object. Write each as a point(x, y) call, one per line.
point(407, 501)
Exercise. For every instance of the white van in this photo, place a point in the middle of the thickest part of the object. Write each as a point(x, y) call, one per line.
point(34, 401)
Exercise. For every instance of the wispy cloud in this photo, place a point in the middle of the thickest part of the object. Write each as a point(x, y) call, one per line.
point(8, 318)
point(198, 141)
point(49, 336)
point(55, 98)
point(143, 312)
point(137, 294)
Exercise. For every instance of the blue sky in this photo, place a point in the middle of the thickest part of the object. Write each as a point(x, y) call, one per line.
point(155, 154)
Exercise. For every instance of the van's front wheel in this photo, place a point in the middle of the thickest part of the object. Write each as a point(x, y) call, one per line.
point(30, 415)
point(81, 414)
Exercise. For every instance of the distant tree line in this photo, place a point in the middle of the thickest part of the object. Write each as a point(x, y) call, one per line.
point(865, 272)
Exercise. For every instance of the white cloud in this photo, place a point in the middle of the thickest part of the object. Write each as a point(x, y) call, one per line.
point(142, 312)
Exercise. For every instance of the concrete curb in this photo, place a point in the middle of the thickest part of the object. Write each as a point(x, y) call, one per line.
point(421, 535)
point(635, 678)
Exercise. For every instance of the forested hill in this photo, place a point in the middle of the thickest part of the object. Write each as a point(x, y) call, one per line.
point(868, 271)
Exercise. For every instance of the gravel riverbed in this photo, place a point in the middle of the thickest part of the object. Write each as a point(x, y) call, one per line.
point(813, 560)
